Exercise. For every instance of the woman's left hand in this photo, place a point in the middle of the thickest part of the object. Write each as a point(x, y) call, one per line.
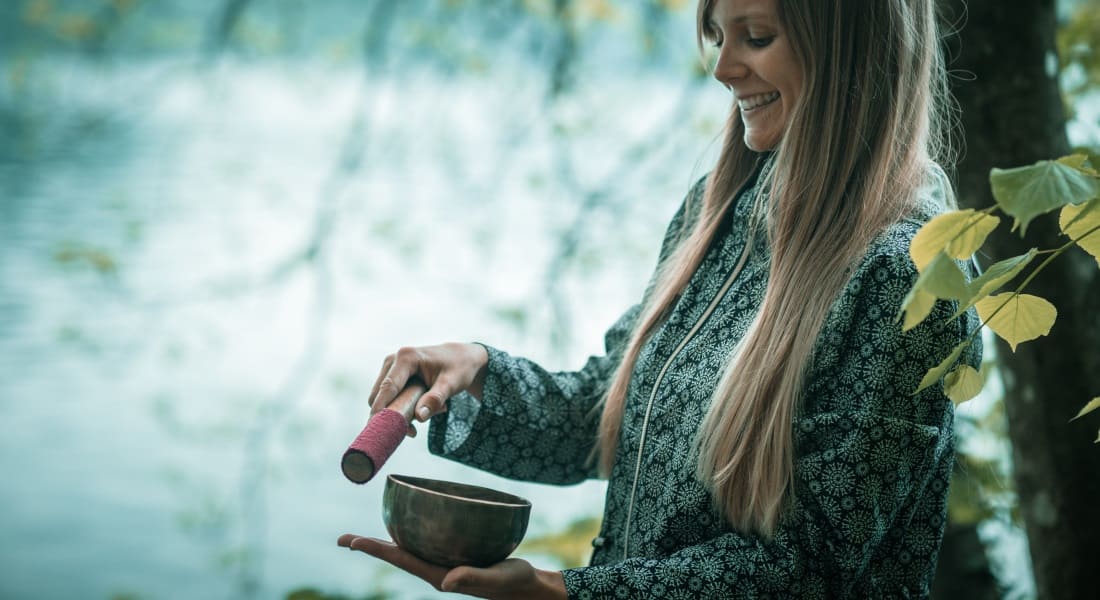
point(507, 580)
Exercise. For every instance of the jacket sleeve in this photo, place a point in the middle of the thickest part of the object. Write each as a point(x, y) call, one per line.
point(870, 475)
point(535, 425)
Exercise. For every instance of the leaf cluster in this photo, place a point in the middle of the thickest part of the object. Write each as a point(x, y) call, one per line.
point(1069, 185)
point(1078, 39)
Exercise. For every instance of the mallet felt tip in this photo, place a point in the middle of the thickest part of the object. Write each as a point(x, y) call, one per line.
point(381, 436)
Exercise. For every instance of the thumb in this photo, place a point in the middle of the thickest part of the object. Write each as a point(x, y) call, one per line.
point(461, 579)
point(434, 401)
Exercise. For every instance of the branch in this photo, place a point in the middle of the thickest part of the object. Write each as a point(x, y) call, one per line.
point(223, 26)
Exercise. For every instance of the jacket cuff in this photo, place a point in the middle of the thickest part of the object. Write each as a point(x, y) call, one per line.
point(453, 433)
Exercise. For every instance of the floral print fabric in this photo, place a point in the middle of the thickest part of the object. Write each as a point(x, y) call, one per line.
point(872, 460)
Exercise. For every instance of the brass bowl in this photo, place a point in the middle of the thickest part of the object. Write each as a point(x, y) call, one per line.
point(452, 524)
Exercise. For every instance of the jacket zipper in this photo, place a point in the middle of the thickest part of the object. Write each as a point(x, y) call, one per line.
point(653, 394)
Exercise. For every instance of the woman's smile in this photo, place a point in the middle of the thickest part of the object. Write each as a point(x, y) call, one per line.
point(750, 103)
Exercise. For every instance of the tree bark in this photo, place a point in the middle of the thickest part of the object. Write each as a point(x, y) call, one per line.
point(963, 570)
point(1012, 115)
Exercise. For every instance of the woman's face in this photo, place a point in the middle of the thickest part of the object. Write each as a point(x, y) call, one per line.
point(756, 63)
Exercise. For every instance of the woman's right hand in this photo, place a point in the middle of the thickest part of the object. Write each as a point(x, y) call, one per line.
point(445, 369)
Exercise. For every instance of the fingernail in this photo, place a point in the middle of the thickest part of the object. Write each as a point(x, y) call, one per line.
point(423, 412)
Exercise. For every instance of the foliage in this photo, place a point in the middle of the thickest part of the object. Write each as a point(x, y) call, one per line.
point(978, 491)
point(88, 27)
point(98, 259)
point(314, 594)
point(1078, 40)
point(1069, 185)
point(571, 547)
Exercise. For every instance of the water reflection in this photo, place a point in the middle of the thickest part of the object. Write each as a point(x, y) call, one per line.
point(199, 277)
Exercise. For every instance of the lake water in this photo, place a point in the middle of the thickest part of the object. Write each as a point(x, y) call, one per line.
point(177, 380)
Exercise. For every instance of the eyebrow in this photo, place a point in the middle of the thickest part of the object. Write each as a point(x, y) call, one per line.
point(741, 18)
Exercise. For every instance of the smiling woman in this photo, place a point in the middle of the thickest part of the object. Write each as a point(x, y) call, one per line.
point(758, 65)
point(758, 424)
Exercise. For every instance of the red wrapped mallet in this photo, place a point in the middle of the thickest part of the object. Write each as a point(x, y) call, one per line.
point(381, 436)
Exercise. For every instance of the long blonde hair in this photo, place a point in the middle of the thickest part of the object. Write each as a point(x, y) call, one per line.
point(859, 141)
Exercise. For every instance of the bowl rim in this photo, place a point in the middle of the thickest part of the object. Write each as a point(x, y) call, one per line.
point(403, 480)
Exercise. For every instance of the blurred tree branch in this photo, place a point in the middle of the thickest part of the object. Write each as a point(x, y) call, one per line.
point(222, 27)
point(349, 164)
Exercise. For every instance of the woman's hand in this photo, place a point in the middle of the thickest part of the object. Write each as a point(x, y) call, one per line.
point(512, 579)
point(446, 369)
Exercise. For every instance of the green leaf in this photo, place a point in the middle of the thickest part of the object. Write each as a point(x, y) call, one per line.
point(1017, 317)
point(959, 234)
point(963, 383)
point(1027, 192)
point(996, 276)
point(1091, 406)
point(917, 305)
point(943, 279)
point(936, 373)
point(1076, 221)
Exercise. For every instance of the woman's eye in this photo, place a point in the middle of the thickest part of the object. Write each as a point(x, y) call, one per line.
point(760, 42)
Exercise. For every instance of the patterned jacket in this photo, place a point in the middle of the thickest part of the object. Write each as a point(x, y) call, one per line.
point(872, 461)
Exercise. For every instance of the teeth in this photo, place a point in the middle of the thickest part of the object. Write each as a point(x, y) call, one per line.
point(759, 100)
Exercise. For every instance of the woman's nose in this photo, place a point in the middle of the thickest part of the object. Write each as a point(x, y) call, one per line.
point(729, 68)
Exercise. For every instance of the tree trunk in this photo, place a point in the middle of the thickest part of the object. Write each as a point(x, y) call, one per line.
point(1012, 114)
point(963, 570)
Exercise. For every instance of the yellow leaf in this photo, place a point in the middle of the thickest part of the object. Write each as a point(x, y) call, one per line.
point(599, 9)
point(1017, 317)
point(958, 234)
point(1097, 438)
point(1091, 406)
point(972, 236)
point(1076, 221)
point(916, 307)
point(571, 547)
point(963, 383)
point(935, 373)
point(1079, 162)
point(37, 12)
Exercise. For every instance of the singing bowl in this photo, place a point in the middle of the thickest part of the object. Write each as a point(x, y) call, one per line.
point(452, 524)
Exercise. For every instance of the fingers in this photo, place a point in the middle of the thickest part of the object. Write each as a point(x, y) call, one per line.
point(512, 578)
point(345, 540)
point(447, 368)
point(391, 553)
point(434, 401)
point(386, 364)
point(405, 363)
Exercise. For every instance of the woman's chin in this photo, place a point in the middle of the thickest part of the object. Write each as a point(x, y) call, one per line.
point(757, 142)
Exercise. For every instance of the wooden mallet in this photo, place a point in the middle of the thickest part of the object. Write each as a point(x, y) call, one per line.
point(381, 436)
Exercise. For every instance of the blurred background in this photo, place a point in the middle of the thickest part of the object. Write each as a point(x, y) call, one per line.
point(217, 218)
